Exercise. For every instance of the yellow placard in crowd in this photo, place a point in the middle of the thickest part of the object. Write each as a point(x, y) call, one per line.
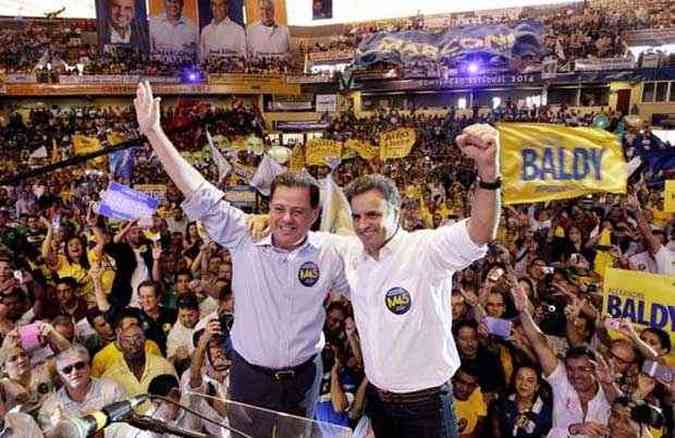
point(669, 197)
point(645, 299)
point(318, 150)
point(84, 145)
point(397, 143)
point(542, 162)
point(297, 161)
point(115, 138)
point(365, 150)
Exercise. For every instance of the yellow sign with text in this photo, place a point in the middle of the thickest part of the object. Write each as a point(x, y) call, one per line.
point(319, 150)
point(669, 197)
point(297, 161)
point(645, 299)
point(542, 162)
point(397, 143)
point(365, 150)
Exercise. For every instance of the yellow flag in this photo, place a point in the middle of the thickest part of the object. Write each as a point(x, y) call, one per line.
point(645, 299)
point(397, 143)
point(669, 199)
point(297, 162)
point(542, 162)
point(115, 138)
point(84, 145)
point(239, 143)
point(365, 150)
point(319, 150)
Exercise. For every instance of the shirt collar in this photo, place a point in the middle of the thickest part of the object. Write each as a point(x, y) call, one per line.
point(389, 248)
point(312, 240)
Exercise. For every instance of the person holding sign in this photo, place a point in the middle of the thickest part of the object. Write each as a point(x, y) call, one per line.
point(279, 284)
point(665, 257)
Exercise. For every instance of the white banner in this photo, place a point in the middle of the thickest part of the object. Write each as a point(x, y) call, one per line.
point(603, 64)
point(326, 103)
point(17, 78)
point(100, 79)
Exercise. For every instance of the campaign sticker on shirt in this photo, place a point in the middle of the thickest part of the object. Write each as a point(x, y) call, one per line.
point(397, 300)
point(308, 274)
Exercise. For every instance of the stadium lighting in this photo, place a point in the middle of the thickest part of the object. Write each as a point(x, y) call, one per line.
point(473, 68)
point(192, 77)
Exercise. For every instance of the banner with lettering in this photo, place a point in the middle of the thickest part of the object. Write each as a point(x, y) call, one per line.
point(542, 162)
point(669, 197)
point(397, 143)
point(319, 150)
point(84, 145)
point(645, 299)
point(365, 150)
point(496, 40)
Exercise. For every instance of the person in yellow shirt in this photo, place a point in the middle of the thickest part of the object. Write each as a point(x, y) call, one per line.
point(470, 406)
point(111, 353)
point(135, 369)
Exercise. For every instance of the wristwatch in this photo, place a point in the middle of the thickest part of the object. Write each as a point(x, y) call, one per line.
point(489, 185)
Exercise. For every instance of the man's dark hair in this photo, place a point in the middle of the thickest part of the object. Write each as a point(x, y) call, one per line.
point(664, 339)
point(382, 184)
point(464, 323)
point(68, 281)
point(470, 368)
point(91, 314)
point(155, 286)
point(127, 312)
point(162, 385)
point(580, 352)
point(187, 301)
point(299, 180)
point(182, 272)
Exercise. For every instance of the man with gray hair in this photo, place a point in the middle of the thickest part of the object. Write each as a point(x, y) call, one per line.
point(265, 36)
point(80, 395)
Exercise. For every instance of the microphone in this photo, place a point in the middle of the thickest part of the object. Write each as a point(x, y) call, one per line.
point(83, 427)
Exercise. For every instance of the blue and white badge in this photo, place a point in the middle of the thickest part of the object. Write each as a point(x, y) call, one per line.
point(309, 274)
point(398, 300)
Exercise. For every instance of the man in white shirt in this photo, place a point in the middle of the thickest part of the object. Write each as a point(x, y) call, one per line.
point(222, 37)
point(122, 13)
point(179, 344)
point(583, 389)
point(171, 30)
point(266, 37)
point(664, 256)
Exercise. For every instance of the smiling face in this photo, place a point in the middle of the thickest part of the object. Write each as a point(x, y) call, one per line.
point(291, 216)
point(526, 383)
point(122, 13)
point(374, 219)
point(74, 370)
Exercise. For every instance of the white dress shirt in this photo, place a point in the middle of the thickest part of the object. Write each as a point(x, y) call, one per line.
point(179, 336)
point(19, 425)
point(165, 35)
point(279, 295)
point(567, 407)
point(224, 38)
point(117, 38)
point(665, 261)
point(267, 40)
point(402, 305)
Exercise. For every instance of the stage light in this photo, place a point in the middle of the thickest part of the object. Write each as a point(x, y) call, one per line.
point(192, 77)
point(473, 68)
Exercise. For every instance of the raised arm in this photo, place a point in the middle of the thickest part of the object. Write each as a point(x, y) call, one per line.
point(481, 143)
point(546, 356)
point(653, 243)
point(186, 177)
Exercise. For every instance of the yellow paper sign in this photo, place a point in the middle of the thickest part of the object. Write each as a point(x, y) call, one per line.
point(319, 150)
point(669, 197)
point(542, 162)
point(84, 145)
point(365, 150)
point(645, 299)
point(297, 162)
point(397, 143)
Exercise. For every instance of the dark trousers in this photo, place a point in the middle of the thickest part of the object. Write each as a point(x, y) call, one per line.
point(422, 414)
point(274, 391)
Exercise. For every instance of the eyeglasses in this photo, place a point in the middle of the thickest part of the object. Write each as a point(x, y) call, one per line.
point(77, 365)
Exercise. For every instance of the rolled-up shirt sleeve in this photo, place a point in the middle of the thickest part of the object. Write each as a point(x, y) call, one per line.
point(224, 223)
point(450, 248)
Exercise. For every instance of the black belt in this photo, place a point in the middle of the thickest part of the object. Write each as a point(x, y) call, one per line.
point(285, 373)
point(408, 397)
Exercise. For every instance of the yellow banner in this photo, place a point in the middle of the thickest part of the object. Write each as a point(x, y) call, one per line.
point(115, 138)
point(365, 150)
point(318, 150)
point(397, 143)
point(669, 197)
point(84, 145)
point(297, 162)
point(542, 162)
point(239, 143)
point(645, 299)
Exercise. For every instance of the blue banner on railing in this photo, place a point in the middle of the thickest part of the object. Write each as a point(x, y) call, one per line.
point(505, 41)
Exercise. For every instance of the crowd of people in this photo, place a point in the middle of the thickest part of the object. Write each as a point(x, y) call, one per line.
point(93, 310)
point(591, 30)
